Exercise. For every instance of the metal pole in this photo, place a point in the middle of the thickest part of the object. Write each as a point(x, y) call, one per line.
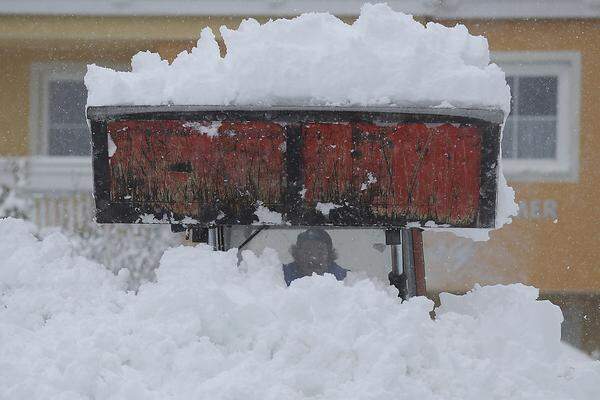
point(419, 261)
point(408, 266)
point(212, 238)
point(216, 238)
point(397, 278)
point(408, 263)
point(221, 245)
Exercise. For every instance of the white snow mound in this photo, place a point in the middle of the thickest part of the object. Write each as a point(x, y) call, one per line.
point(383, 58)
point(208, 329)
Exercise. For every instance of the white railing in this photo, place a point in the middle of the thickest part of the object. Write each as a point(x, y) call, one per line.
point(50, 191)
point(72, 211)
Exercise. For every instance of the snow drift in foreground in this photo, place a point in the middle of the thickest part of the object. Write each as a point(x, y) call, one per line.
point(208, 329)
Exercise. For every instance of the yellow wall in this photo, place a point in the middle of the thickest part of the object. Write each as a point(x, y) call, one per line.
point(552, 256)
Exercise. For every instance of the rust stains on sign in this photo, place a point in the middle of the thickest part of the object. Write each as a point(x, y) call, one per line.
point(366, 170)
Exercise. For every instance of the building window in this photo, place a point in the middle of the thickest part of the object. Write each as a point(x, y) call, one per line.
point(541, 138)
point(531, 128)
point(58, 126)
point(58, 98)
point(59, 138)
point(67, 130)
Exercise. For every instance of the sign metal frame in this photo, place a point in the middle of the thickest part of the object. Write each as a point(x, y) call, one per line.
point(488, 123)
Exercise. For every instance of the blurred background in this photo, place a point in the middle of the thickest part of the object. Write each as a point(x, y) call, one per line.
point(549, 50)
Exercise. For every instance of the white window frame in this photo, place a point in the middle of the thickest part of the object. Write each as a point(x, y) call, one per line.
point(64, 173)
point(566, 65)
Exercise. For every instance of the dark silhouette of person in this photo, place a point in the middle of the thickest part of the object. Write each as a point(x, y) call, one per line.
point(313, 253)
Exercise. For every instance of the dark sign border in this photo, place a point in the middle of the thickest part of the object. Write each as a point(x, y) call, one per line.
point(489, 121)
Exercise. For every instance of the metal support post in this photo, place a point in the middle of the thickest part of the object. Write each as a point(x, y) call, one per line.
point(408, 269)
point(419, 261)
point(219, 238)
point(408, 264)
point(216, 238)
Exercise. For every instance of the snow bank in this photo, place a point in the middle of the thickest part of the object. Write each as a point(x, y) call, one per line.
point(210, 329)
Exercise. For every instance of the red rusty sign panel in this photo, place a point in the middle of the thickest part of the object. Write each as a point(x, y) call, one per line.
point(343, 167)
point(199, 169)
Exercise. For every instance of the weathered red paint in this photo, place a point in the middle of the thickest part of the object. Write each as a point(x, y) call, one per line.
point(174, 163)
point(422, 171)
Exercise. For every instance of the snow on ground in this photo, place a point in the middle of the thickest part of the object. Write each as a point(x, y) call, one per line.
point(210, 329)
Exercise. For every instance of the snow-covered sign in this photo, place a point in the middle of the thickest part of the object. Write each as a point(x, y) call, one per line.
point(385, 166)
point(382, 122)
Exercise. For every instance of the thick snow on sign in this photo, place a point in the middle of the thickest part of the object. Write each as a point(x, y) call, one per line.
point(210, 329)
point(384, 58)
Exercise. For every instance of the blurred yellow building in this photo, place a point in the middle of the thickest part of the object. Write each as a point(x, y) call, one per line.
point(549, 50)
